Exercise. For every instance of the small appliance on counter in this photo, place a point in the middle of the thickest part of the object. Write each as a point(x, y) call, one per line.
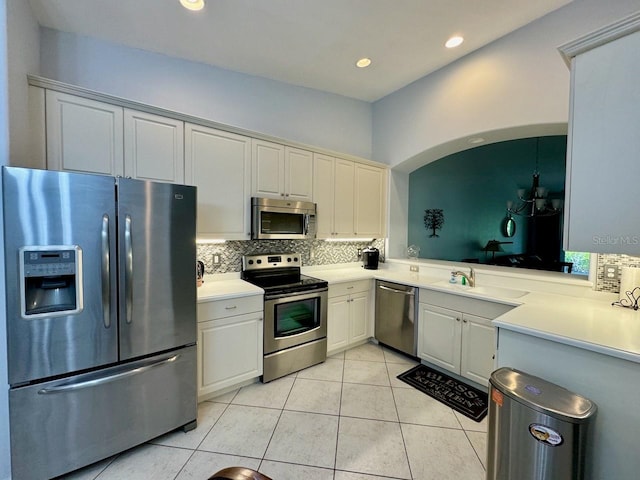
point(370, 258)
point(199, 273)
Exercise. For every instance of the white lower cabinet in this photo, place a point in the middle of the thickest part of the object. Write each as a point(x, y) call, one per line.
point(230, 348)
point(348, 315)
point(458, 341)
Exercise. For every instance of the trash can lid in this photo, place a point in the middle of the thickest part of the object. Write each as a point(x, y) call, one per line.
point(543, 396)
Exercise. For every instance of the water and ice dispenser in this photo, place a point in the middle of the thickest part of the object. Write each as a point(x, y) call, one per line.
point(51, 281)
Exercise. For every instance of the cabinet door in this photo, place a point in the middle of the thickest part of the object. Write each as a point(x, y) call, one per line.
point(370, 201)
point(604, 147)
point(478, 348)
point(439, 333)
point(359, 306)
point(83, 135)
point(153, 147)
point(298, 174)
point(323, 193)
point(219, 164)
point(229, 352)
point(343, 211)
point(338, 323)
point(268, 169)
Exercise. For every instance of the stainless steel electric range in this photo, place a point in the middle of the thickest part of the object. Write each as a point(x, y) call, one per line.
point(295, 313)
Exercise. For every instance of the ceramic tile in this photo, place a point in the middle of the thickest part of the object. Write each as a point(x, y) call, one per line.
point(479, 442)
point(242, 430)
point(315, 396)
point(369, 373)
point(226, 397)
point(90, 472)
point(272, 395)
point(417, 407)
point(208, 414)
point(395, 369)
point(340, 475)
point(331, 369)
point(290, 471)
point(441, 454)
point(391, 356)
point(337, 356)
point(305, 438)
point(368, 401)
point(371, 446)
point(202, 465)
point(147, 461)
point(472, 425)
point(369, 352)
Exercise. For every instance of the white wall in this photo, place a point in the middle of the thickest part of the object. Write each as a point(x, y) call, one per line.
point(511, 84)
point(515, 87)
point(23, 57)
point(258, 104)
point(5, 459)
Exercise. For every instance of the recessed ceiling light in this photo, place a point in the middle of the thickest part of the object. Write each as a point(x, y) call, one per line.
point(476, 140)
point(454, 42)
point(192, 4)
point(363, 62)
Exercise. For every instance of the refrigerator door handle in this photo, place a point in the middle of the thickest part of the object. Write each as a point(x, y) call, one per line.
point(94, 382)
point(106, 273)
point(128, 273)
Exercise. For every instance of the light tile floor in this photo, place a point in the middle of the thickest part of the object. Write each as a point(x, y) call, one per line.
point(346, 419)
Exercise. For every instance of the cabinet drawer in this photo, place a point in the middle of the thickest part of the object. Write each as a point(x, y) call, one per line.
point(347, 288)
point(229, 307)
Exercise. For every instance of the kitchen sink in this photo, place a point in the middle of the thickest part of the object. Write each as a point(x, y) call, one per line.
point(489, 291)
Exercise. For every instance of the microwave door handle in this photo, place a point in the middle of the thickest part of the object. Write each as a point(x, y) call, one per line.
point(106, 272)
point(128, 269)
point(306, 224)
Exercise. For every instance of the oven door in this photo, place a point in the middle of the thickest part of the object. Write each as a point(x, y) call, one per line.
point(293, 319)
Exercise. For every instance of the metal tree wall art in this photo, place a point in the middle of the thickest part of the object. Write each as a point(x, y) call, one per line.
point(433, 220)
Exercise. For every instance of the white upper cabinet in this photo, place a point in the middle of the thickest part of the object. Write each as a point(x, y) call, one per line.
point(153, 147)
point(370, 201)
point(83, 135)
point(344, 199)
point(281, 172)
point(323, 194)
point(219, 164)
point(603, 166)
point(351, 198)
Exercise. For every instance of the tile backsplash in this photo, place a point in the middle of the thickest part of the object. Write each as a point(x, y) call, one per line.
point(313, 252)
point(612, 285)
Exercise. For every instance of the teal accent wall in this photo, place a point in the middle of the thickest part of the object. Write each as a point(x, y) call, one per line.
point(472, 188)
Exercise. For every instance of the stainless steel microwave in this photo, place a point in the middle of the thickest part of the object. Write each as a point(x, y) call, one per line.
point(273, 219)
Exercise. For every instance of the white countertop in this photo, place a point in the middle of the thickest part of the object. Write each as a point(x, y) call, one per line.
point(585, 320)
point(219, 287)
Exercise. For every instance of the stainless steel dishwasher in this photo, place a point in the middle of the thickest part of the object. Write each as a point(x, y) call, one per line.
point(396, 316)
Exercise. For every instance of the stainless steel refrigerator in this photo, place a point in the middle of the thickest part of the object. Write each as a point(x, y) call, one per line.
point(101, 315)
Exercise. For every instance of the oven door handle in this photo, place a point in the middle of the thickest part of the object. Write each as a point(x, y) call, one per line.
point(296, 295)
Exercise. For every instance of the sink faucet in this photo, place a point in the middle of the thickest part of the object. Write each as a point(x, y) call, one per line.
point(471, 278)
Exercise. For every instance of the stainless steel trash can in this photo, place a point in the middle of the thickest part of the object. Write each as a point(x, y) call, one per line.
point(537, 430)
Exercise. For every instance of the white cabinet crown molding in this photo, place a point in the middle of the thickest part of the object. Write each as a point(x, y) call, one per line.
point(606, 34)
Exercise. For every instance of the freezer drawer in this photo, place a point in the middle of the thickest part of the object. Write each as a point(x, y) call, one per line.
point(68, 423)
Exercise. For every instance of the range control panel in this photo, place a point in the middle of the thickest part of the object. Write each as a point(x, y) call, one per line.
point(283, 260)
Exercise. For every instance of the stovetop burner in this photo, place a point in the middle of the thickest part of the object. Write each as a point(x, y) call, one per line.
point(278, 274)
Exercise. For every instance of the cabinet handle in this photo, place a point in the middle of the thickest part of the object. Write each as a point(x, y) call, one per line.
point(350, 288)
point(286, 194)
point(231, 307)
point(465, 320)
point(282, 194)
point(457, 319)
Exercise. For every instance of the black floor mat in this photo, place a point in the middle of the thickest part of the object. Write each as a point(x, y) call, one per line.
point(463, 398)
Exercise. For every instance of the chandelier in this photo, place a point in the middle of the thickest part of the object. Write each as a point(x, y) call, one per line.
point(534, 202)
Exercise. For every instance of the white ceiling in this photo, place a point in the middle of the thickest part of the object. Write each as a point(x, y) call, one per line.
point(312, 43)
